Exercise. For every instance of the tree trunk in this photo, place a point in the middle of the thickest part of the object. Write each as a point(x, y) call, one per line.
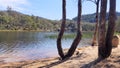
point(78, 37)
point(111, 27)
point(102, 30)
point(79, 34)
point(59, 47)
point(95, 41)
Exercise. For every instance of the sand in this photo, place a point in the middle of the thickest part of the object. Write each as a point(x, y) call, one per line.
point(85, 59)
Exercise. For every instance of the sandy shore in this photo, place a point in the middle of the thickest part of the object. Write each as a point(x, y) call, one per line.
point(85, 59)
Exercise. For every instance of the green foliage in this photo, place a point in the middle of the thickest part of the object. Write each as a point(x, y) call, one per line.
point(118, 25)
point(88, 26)
point(71, 35)
point(12, 20)
point(87, 34)
point(66, 35)
point(91, 17)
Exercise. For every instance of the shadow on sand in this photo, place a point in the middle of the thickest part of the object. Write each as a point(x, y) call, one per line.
point(92, 64)
point(61, 61)
point(54, 63)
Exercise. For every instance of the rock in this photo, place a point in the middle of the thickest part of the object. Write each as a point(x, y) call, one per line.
point(115, 41)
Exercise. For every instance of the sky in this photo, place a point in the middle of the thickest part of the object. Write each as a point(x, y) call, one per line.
point(50, 9)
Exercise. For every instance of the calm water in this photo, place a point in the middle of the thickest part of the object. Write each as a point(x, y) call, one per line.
point(20, 46)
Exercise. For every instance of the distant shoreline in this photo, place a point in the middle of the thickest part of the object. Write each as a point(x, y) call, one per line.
point(37, 31)
point(24, 31)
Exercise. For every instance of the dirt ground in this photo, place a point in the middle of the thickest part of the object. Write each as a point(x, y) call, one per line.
point(83, 58)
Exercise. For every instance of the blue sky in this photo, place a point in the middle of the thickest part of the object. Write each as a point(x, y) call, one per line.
point(50, 9)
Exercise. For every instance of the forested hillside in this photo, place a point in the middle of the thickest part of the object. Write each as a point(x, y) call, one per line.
point(91, 17)
point(13, 20)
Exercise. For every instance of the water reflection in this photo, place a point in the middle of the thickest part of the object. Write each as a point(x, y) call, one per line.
point(19, 46)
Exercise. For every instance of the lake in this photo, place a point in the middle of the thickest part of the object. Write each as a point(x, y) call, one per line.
point(20, 46)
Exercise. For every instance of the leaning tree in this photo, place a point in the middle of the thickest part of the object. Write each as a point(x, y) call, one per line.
point(59, 47)
point(79, 32)
point(78, 36)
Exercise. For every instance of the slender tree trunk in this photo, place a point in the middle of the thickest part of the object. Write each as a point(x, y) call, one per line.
point(102, 30)
point(111, 27)
point(59, 47)
point(79, 34)
point(95, 41)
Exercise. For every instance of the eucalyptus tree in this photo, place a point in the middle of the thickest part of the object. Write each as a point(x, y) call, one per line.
point(78, 36)
point(105, 37)
point(79, 32)
point(111, 27)
point(59, 47)
point(95, 36)
point(102, 29)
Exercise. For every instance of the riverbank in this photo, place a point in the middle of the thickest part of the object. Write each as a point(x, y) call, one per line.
point(23, 31)
point(87, 55)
